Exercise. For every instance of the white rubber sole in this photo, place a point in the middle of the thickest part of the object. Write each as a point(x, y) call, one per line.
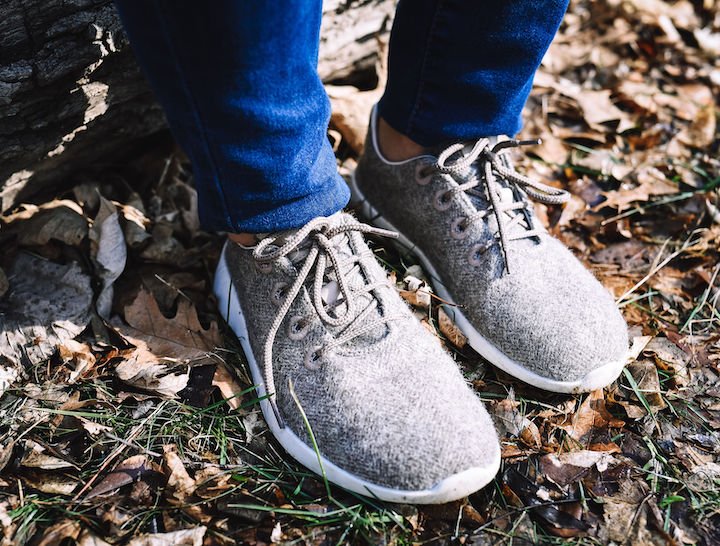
point(452, 488)
point(598, 378)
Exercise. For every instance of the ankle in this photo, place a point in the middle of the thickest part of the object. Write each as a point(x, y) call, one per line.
point(395, 146)
point(243, 239)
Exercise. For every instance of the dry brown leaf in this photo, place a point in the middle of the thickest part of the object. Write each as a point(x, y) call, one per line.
point(36, 457)
point(59, 532)
point(351, 107)
point(651, 183)
point(702, 130)
point(182, 337)
point(211, 481)
point(592, 414)
point(51, 483)
point(135, 222)
point(59, 220)
point(668, 356)
point(508, 419)
point(87, 538)
point(598, 109)
point(79, 354)
point(186, 537)
point(530, 435)
point(450, 330)
point(93, 428)
point(568, 467)
point(6, 451)
point(228, 386)
point(179, 483)
point(142, 371)
point(162, 344)
point(646, 376)
point(128, 471)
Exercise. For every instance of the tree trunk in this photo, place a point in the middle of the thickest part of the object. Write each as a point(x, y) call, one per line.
point(71, 93)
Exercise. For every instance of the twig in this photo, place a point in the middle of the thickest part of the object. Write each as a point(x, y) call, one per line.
point(110, 458)
point(656, 268)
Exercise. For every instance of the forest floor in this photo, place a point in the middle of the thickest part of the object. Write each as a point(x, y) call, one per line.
point(127, 415)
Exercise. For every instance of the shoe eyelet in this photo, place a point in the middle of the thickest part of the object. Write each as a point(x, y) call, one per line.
point(476, 252)
point(264, 267)
point(298, 328)
point(423, 176)
point(278, 293)
point(442, 200)
point(313, 358)
point(458, 229)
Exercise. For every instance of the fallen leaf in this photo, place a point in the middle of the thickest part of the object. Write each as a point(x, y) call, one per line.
point(450, 330)
point(186, 537)
point(6, 451)
point(143, 371)
point(135, 222)
point(507, 416)
point(36, 457)
point(108, 252)
point(79, 355)
point(162, 344)
point(51, 483)
point(652, 182)
point(59, 220)
point(646, 376)
point(87, 538)
point(228, 386)
point(592, 414)
point(59, 532)
point(179, 483)
point(704, 478)
point(598, 108)
point(417, 292)
point(668, 356)
point(125, 473)
point(569, 467)
point(701, 132)
point(93, 428)
point(181, 337)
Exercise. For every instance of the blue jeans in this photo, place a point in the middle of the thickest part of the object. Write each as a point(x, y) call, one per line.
point(239, 86)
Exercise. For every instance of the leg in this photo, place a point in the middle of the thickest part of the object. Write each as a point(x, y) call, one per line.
point(326, 336)
point(239, 86)
point(523, 300)
point(460, 70)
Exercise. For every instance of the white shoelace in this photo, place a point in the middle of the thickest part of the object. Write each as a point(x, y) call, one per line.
point(508, 211)
point(316, 245)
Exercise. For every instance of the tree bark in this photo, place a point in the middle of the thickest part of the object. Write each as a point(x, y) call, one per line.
point(71, 93)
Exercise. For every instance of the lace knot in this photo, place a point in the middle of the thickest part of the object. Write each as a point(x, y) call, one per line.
point(497, 174)
point(315, 246)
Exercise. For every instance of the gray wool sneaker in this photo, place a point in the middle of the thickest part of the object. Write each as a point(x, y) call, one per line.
point(523, 300)
point(325, 333)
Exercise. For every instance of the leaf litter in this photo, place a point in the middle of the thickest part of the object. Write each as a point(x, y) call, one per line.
point(127, 415)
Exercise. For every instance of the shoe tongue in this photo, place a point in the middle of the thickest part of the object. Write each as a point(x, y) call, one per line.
point(355, 280)
point(478, 196)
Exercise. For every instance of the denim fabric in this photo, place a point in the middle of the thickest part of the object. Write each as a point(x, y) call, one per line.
point(460, 70)
point(239, 86)
point(240, 89)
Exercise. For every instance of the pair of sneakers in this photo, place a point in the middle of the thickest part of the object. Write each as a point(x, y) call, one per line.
point(352, 385)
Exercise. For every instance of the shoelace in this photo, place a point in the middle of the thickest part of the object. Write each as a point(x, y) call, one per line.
point(316, 244)
point(494, 167)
